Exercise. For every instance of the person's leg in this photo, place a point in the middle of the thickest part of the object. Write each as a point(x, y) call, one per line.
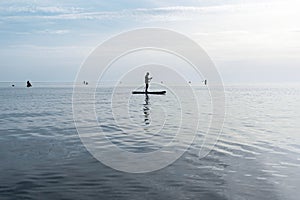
point(147, 85)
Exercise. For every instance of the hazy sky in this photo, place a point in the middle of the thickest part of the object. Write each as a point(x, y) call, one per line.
point(249, 40)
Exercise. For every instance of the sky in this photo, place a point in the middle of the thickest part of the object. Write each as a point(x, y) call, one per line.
point(248, 40)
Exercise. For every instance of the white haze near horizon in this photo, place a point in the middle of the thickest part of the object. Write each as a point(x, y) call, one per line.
point(248, 40)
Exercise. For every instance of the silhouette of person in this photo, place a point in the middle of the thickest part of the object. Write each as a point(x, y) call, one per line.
point(147, 81)
point(29, 84)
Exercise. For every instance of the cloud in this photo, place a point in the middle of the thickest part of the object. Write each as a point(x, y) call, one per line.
point(56, 32)
point(152, 14)
point(218, 33)
point(155, 14)
point(29, 10)
point(46, 31)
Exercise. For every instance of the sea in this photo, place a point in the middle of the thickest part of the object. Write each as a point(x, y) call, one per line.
point(256, 154)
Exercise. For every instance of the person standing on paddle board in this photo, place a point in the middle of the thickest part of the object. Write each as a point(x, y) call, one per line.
point(147, 81)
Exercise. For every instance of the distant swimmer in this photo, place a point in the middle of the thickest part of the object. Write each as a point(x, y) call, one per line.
point(29, 84)
point(147, 81)
point(205, 82)
point(12, 85)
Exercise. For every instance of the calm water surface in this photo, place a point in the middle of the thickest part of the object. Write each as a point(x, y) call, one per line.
point(256, 157)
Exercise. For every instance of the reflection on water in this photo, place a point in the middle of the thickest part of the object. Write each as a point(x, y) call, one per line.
point(256, 157)
point(146, 110)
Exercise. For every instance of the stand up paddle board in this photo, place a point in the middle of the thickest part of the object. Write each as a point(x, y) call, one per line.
point(143, 92)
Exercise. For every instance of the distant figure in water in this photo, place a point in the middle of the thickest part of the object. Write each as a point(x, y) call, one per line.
point(147, 81)
point(12, 85)
point(29, 84)
point(205, 82)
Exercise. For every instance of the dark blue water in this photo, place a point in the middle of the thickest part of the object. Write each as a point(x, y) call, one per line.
point(256, 157)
